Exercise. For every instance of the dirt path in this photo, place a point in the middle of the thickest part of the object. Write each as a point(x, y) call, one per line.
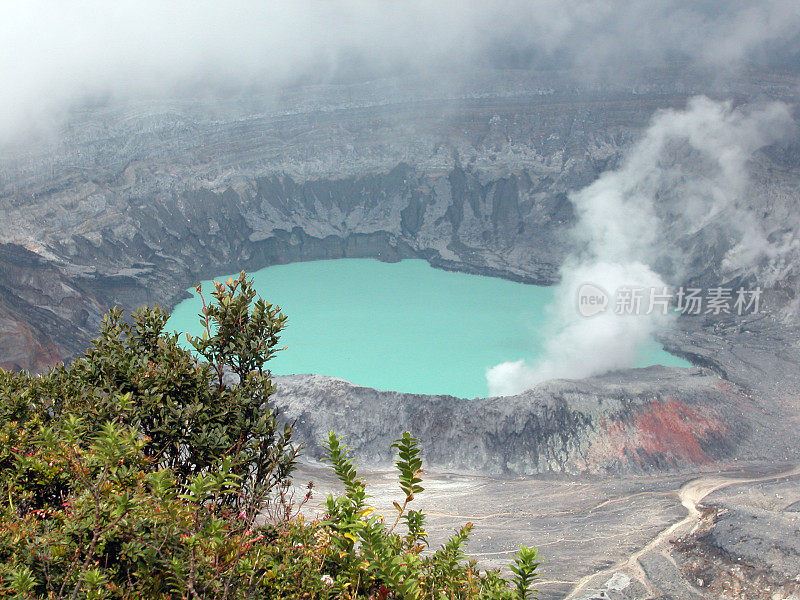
point(691, 494)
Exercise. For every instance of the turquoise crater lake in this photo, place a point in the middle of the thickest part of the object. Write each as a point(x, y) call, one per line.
point(399, 326)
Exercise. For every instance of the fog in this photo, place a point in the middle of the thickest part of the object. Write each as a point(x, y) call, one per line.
point(57, 55)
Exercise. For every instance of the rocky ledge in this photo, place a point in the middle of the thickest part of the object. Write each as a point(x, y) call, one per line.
point(635, 421)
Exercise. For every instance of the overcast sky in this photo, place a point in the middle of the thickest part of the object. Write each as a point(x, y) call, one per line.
point(56, 53)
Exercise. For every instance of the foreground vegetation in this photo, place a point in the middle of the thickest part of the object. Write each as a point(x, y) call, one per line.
point(142, 471)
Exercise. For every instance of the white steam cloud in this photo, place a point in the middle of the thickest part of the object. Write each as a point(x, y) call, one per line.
point(689, 169)
point(55, 55)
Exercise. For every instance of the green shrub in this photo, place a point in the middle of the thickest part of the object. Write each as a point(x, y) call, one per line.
point(373, 559)
point(180, 403)
point(138, 473)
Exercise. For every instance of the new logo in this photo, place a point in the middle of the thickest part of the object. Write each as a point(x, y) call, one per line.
point(592, 300)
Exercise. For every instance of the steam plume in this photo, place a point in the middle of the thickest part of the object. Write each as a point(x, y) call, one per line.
point(688, 170)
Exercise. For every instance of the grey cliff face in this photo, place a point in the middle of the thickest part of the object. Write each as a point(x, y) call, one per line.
point(655, 420)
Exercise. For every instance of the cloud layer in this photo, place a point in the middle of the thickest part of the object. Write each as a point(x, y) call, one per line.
point(54, 54)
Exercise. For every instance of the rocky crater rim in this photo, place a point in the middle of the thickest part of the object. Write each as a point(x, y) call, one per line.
point(135, 211)
point(647, 420)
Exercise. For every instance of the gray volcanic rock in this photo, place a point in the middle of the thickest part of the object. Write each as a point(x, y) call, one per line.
point(760, 535)
point(635, 421)
point(133, 204)
point(747, 544)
